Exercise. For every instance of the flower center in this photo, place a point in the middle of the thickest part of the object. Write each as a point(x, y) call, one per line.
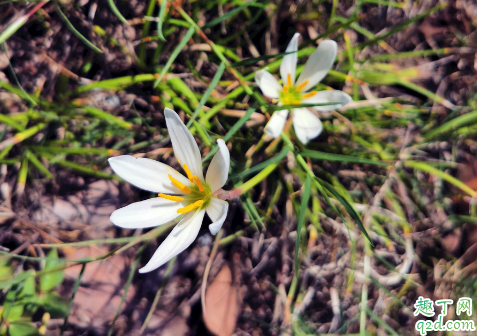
point(197, 194)
point(292, 94)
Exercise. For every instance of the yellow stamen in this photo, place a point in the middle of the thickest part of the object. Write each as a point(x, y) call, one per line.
point(302, 85)
point(171, 198)
point(285, 88)
point(289, 82)
point(199, 184)
point(179, 185)
point(190, 207)
point(296, 102)
point(309, 94)
point(189, 174)
point(286, 101)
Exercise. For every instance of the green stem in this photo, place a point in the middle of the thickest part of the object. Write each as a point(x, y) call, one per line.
point(258, 178)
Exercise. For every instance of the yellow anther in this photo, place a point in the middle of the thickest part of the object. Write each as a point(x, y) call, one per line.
point(171, 198)
point(190, 207)
point(302, 85)
point(285, 89)
point(286, 101)
point(199, 184)
point(179, 185)
point(309, 94)
point(296, 102)
point(289, 81)
point(189, 174)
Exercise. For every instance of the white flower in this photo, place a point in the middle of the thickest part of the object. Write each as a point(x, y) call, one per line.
point(307, 125)
point(192, 195)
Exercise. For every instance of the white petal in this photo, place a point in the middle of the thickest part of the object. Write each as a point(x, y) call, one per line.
point(218, 170)
point(307, 125)
point(276, 123)
point(318, 65)
point(288, 65)
point(147, 174)
point(183, 234)
point(217, 211)
point(323, 97)
point(148, 213)
point(268, 84)
point(183, 143)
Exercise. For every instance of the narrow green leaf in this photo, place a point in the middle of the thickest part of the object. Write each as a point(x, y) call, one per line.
point(174, 54)
point(116, 12)
point(73, 294)
point(38, 165)
point(301, 219)
point(231, 132)
point(203, 100)
point(160, 21)
point(348, 207)
point(340, 158)
point(70, 26)
point(114, 83)
point(291, 107)
point(452, 125)
point(227, 15)
point(91, 110)
point(69, 150)
point(255, 60)
point(126, 287)
point(422, 166)
point(276, 158)
point(11, 122)
point(12, 28)
point(399, 27)
point(178, 85)
point(254, 212)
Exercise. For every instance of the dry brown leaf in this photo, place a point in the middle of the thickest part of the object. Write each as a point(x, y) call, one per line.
point(222, 304)
point(100, 290)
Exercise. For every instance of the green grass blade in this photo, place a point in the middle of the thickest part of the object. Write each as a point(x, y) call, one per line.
point(126, 287)
point(11, 122)
point(205, 97)
point(231, 132)
point(226, 15)
point(174, 54)
point(291, 107)
point(276, 158)
point(115, 83)
point(116, 12)
point(145, 32)
point(301, 219)
point(255, 60)
point(38, 165)
point(95, 112)
point(399, 27)
point(69, 150)
point(70, 26)
point(452, 125)
point(340, 158)
point(73, 294)
point(348, 207)
point(160, 21)
point(422, 166)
